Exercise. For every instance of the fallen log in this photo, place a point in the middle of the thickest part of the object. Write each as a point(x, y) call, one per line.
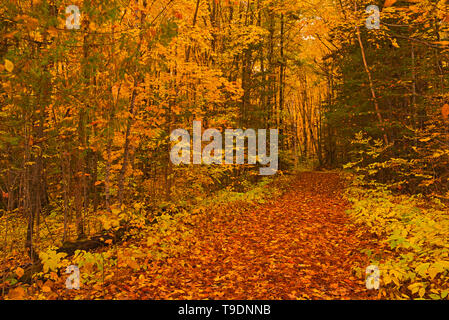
point(68, 247)
point(94, 242)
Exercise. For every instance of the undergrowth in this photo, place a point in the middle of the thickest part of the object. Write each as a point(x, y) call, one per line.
point(413, 236)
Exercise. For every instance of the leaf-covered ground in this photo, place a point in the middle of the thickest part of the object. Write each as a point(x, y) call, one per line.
point(299, 245)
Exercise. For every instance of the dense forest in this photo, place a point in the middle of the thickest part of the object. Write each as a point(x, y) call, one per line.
point(92, 90)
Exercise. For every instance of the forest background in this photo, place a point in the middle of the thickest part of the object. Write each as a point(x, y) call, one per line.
point(86, 116)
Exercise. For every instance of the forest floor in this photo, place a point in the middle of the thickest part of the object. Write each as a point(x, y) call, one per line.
point(299, 245)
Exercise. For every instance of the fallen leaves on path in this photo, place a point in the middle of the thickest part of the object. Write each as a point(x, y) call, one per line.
point(299, 246)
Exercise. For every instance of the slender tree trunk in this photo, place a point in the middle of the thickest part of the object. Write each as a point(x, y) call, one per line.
point(371, 85)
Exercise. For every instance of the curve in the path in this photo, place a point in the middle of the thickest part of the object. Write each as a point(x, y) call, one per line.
point(301, 245)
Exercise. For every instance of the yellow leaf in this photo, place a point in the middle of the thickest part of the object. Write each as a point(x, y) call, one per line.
point(394, 43)
point(133, 264)
point(433, 272)
point(444, 42)
point(446, 19)
point(445, 111)
point(48, 283)
point(396, 281)
point(422, 269)
point(20, 272)
point(414, 287)
point(46, 289)
point(9, 66)
point(389, 3)
point(415, 9)
point(422, 292)
point(115, 90)
point(54, 276)
point(53, 31)
point(386, 279)
point(98, 286)
point(16, 293)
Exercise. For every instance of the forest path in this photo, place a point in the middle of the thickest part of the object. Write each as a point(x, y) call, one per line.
point(300, 245)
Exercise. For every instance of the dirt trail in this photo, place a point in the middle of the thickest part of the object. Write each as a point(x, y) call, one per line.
point(298, 246)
